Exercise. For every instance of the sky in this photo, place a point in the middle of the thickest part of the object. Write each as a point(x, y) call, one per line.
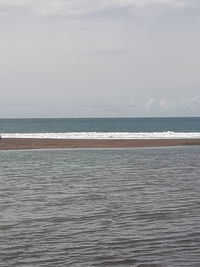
point(99, 58)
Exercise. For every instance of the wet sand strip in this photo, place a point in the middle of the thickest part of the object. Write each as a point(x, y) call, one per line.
point(33, 143)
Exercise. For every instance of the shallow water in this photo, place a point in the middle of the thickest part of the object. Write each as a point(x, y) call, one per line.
point(98, 207)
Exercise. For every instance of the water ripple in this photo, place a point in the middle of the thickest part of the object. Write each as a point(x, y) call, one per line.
point(134, 207)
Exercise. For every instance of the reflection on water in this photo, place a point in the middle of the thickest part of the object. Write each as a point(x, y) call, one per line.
point(128, 207)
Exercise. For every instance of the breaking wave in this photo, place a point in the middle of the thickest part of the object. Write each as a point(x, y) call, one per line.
point(105, 135)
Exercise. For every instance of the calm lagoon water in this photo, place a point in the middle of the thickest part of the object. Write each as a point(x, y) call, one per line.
point(98, 207)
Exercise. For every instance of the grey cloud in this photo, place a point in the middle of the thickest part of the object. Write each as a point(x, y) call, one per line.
point(87, 7)
point(107, 52)
point(99, 58)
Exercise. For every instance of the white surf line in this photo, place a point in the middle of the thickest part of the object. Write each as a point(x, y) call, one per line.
point(106, 135)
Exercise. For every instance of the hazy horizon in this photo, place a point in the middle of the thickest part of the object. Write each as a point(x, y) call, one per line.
point(138, 117)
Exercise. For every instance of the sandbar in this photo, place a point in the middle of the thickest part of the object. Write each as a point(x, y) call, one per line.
point(36, 143)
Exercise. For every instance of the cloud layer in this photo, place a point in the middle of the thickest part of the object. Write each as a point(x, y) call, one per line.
point(81, 8)
point(99, 58)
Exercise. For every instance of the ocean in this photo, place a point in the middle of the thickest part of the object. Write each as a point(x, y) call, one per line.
point(100, 207)
point(102, 128)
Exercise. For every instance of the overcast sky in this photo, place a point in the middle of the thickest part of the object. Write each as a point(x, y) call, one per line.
point(99, 58)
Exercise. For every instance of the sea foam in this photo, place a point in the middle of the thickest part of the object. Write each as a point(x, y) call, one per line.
point(105, 135)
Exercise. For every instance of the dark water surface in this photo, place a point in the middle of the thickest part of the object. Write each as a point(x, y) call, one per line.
point(100, 125)
point(128, 207)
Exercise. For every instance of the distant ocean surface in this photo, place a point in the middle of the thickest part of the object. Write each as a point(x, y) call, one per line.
point(100, 207)
point(102, 128)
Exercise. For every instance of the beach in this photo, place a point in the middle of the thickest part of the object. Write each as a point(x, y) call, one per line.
point(36, 143)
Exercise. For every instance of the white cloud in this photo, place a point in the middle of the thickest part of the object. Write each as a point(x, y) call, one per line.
point(164, 104)
point(151, 103)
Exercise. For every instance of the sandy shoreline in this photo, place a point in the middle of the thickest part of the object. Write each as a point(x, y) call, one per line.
point(32, 143)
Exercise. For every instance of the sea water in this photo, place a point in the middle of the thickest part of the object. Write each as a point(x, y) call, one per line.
point(100, 207)
point(102, 128)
